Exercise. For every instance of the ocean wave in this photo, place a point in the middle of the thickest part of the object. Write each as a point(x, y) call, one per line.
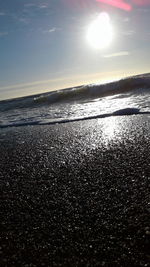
point(95, 91)
point(133, 85)
point(120, 112)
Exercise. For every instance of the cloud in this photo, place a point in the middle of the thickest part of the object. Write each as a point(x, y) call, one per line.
point(62, 78)
point(126, 19)
point(128, 33)
point(3, 33)
point(24, 20)
point(26, 85)
point(42, 6)
point(21, 18)
point(51, 30)
point(2, 14)
point(33, 5)
point(118, 54)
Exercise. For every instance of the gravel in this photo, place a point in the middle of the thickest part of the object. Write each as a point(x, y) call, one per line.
point(76, 194)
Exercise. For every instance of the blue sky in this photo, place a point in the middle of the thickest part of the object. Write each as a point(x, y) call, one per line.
point(43, 45)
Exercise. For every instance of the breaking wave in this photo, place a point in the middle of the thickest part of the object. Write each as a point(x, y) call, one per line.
point(133, 85)
point(121, 112)
point(95, 91)
point(130, 96)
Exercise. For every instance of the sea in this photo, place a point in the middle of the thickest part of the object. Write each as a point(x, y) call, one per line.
point(128, 96)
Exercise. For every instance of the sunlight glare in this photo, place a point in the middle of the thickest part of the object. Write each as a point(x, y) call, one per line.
point(100, 31)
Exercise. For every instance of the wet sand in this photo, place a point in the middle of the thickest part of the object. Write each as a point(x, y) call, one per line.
point(76, 194)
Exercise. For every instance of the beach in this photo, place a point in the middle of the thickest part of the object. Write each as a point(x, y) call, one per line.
point(76, 194)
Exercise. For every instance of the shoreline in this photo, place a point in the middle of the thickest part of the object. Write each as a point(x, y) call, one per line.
point(118, 113)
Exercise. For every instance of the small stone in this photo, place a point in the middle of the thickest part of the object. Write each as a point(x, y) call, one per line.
point(147, 232)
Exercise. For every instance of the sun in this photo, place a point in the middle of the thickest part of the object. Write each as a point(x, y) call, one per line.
point(100, 31)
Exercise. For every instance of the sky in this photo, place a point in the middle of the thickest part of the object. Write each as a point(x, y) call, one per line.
point(44, 44)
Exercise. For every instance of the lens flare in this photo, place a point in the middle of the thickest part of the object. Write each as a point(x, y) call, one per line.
point(117, 3)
